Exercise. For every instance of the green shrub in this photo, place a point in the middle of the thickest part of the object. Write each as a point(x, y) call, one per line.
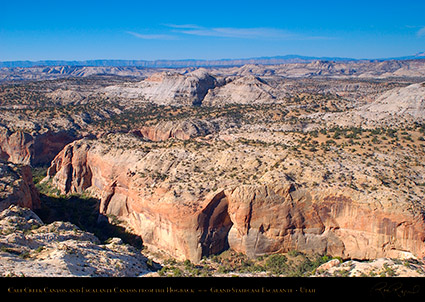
point(276, 264)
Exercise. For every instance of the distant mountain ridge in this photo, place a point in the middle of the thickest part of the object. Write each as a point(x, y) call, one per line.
point(194, 62)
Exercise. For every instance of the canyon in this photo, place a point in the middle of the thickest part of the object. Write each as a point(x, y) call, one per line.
point(195, 214)
point(320, 157)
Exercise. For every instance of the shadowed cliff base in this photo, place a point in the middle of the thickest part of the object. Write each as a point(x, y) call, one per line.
point(82, 211)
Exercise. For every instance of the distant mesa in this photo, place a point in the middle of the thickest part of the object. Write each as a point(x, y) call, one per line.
point(287, 66)
point(194, 63)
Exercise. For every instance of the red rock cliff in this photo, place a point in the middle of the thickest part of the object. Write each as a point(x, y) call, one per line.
point(23, 148)
point(17, 187)
point(254, 219)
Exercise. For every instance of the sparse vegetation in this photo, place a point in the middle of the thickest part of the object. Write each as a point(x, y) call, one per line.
point(291, 264)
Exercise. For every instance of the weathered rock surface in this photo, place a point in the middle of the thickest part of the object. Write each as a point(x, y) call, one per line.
point(60, 249)
point(272, 214)
point(17, 187)
point(181, 129)
point(381, 267)
point(331, 222)
point(16, 147)
point(169, 88)
point(393, 108)
point(244, 90)
point(23, 148)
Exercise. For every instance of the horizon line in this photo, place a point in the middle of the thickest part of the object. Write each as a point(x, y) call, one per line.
point(419, 55)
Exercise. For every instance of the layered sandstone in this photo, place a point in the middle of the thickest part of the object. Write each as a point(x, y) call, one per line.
point(334, 222)
point(178, 200)
point(169, 88)
point(16, 147)
point(17, 187)
point(243, 90)
point(21, 147)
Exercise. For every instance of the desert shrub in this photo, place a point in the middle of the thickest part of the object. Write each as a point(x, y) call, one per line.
point(277, 264)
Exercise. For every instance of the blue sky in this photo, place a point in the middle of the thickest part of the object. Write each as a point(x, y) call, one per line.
point(155, 29)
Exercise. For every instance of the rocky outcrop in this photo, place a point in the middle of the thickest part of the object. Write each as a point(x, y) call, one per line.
point(256, 219)
point(16, 147)
point(243, 90)
point(182, 129)
point(381, 267)
point(71, 165)
point(31, 248)
point(281, 218)
point(17, 187)
point(200, 88)
point(169, 88)
point(395, 107)
point(23, 148)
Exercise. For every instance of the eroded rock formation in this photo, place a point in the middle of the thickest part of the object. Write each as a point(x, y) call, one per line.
point(16, 147)
point(183, 130)
point(169, 88)
point(17, 187)
point(243, 90)
point(395, 107)
point(21, 147)
point(31, 248)
point(259, 218)
point(267, 219)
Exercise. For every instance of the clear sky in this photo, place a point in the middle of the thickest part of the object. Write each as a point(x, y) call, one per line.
point(149, 30)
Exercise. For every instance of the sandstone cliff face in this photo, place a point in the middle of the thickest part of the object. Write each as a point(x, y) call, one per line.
point(17, 187)
point(267, 220)
point(23, 148)
point(16, 147)
point(270, 215)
